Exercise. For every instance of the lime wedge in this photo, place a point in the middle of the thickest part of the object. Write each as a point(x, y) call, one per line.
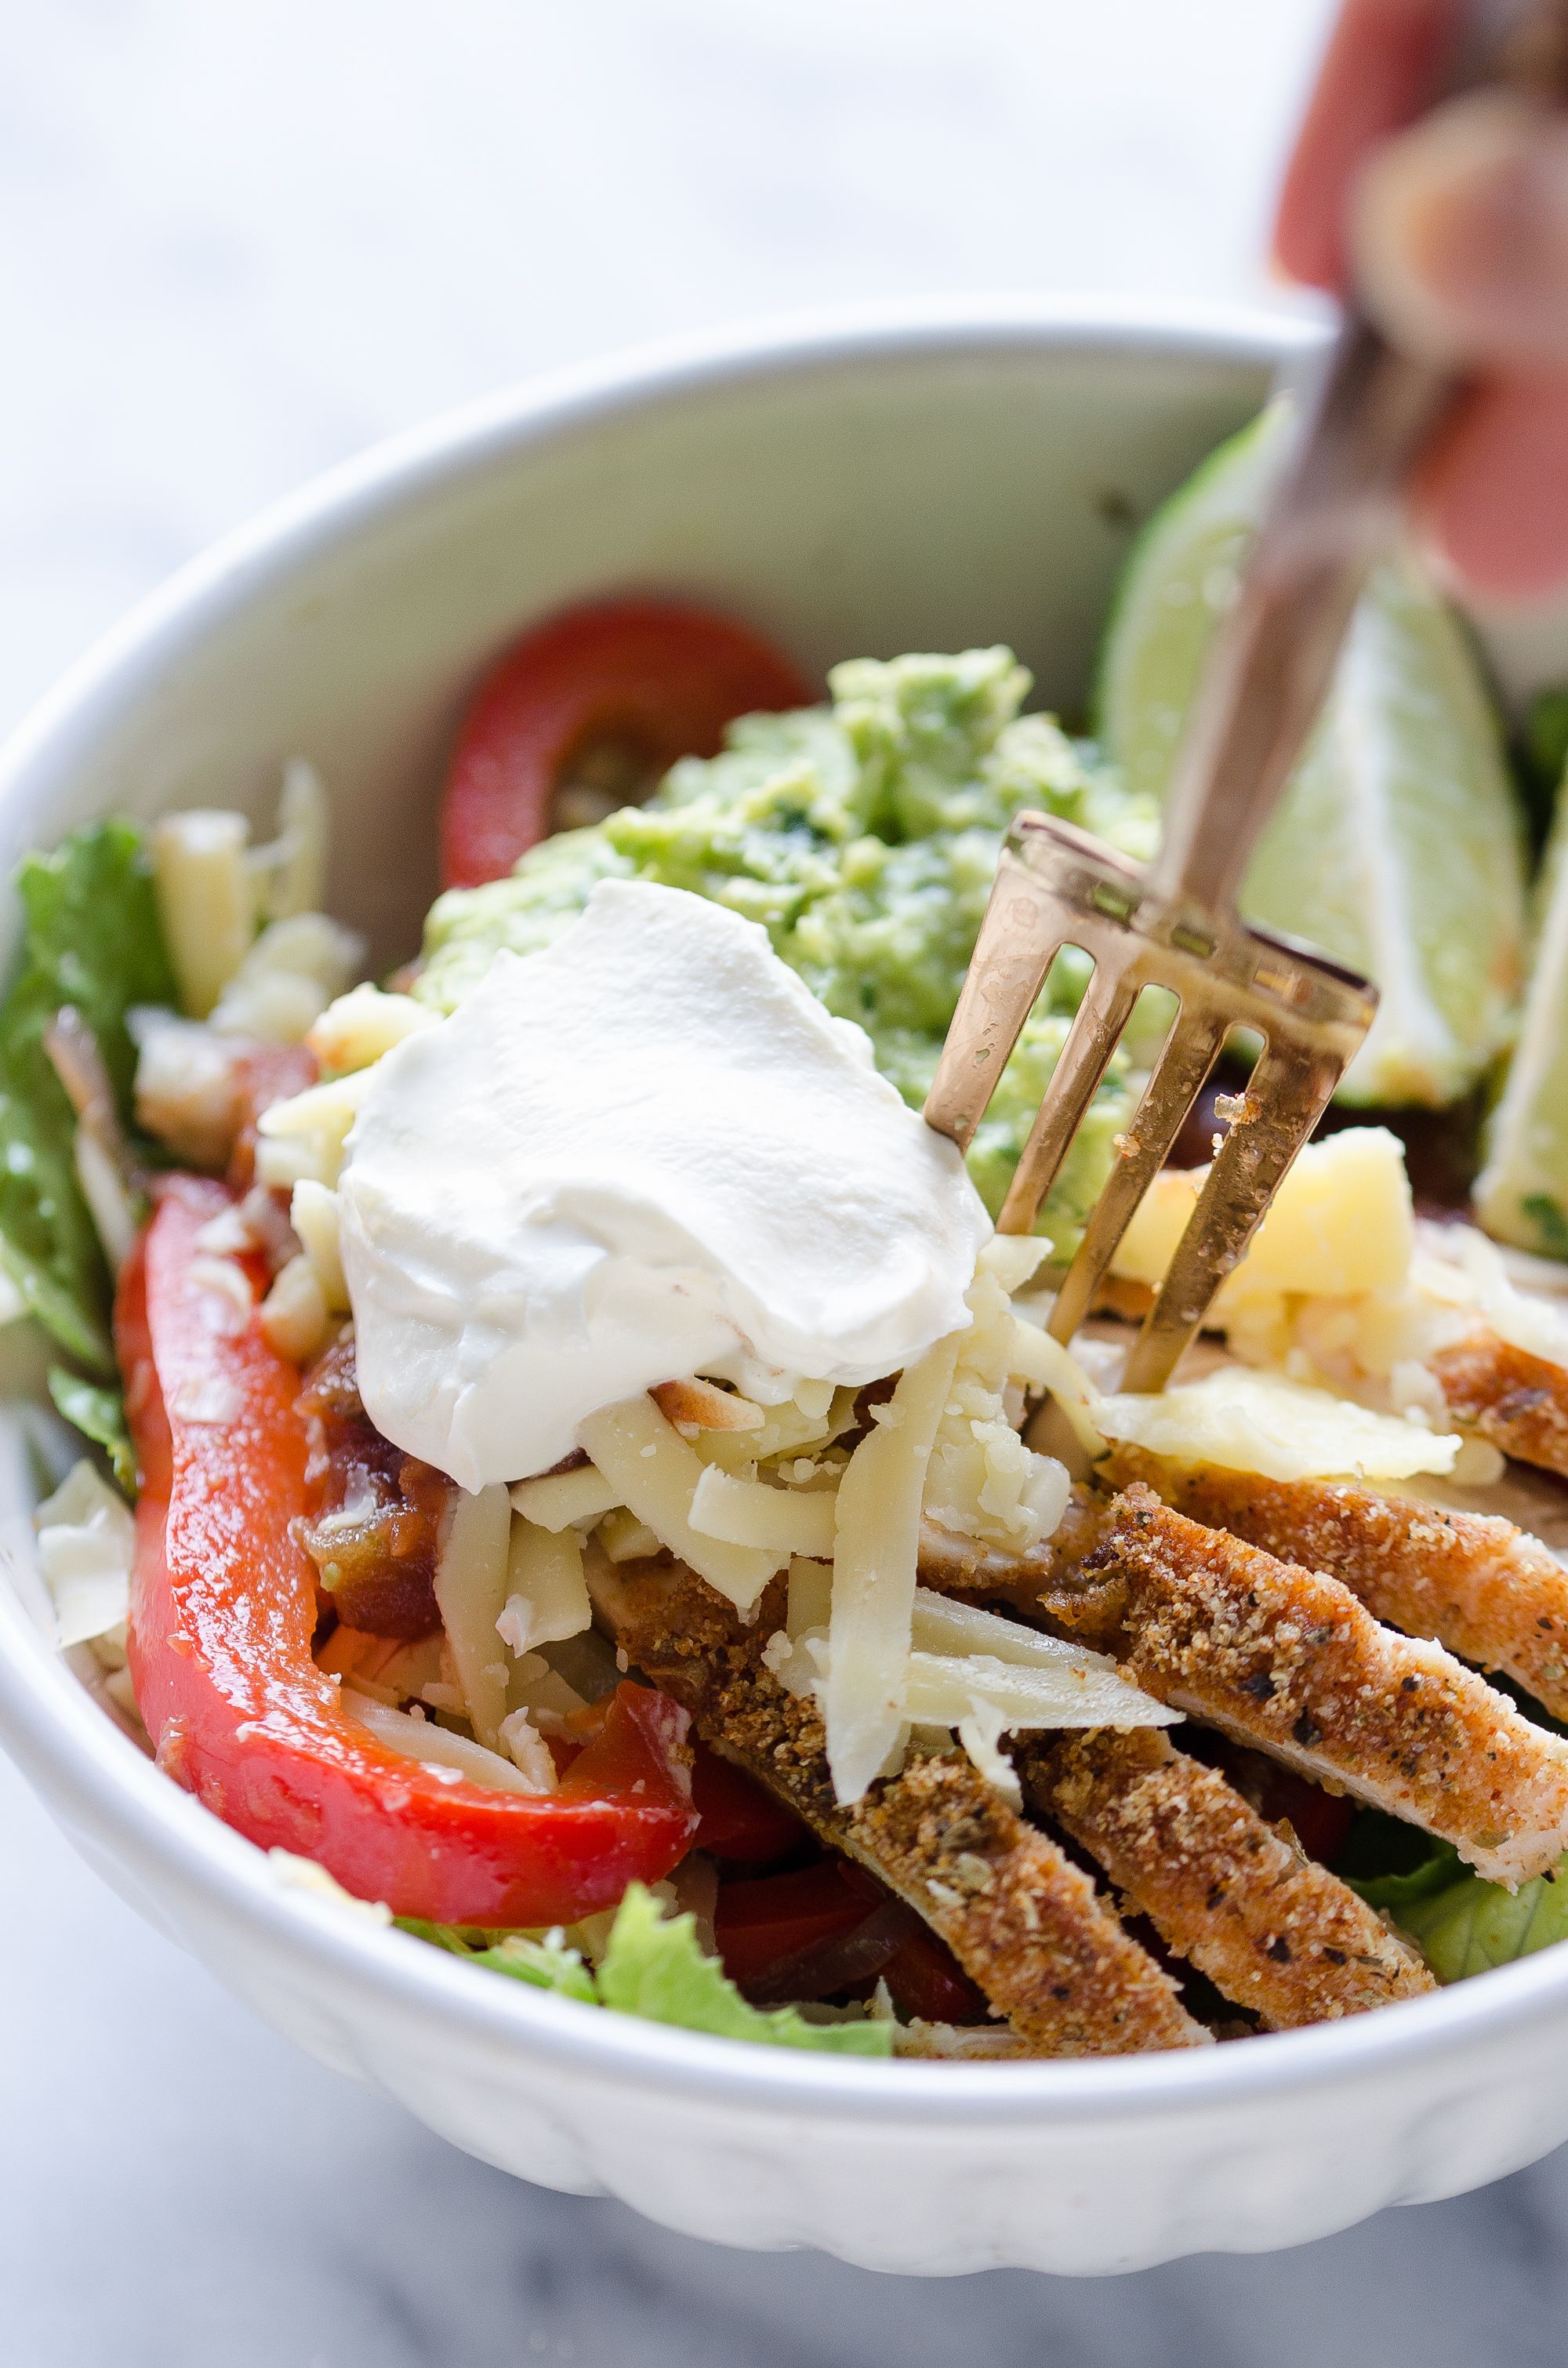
point(1522, 1194)
point(1399, 847)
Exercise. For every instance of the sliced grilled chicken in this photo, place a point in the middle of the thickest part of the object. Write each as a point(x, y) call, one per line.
point(1518, 1401)
point(961, 1566)
point(1234, 1894)
point(1023, 1921)
point(1289, 1659)
point(1477, 1584)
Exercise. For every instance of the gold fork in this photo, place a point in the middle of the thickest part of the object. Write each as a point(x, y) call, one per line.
point(1176, 925)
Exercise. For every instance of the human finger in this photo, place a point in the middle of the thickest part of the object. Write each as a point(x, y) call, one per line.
point(1491, 500)
point(1381, 67)
point(1459, 233)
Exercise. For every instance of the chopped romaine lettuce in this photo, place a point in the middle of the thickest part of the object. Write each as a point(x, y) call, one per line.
point(1468, 1926)
point(652, 1966)
point(91, 940)
point(1460, 1925)
point(547, 1965)
point(1389, 1861)
point(98, 1415)
point(1542, 753)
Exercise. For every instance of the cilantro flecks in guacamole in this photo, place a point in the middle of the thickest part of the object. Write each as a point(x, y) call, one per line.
point(863, 836)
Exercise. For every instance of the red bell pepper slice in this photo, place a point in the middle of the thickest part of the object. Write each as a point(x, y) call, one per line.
point(662, 677)
point(222, 1613)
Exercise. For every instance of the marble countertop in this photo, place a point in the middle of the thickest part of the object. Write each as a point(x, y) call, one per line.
point(242, 243)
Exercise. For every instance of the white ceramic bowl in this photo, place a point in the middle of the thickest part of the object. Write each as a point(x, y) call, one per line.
point(899, 481)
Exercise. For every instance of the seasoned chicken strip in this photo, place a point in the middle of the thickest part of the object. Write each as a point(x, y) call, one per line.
point(1518, 1401)
point(1234, 1894)
point(1021, 1920)
point(1479, 1585)
point(961, 1566)
point(1288, 1659)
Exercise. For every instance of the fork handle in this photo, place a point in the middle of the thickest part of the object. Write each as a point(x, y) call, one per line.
point(1273, 659)
point(1272, 662)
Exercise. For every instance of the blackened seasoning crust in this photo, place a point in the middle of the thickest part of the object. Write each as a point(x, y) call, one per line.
point(1021, 1920)
point(1487, 1590)
point(1235, 1895)
point(1395, 1719)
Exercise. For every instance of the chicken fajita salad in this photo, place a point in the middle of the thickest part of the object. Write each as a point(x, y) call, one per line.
point(574, 1470)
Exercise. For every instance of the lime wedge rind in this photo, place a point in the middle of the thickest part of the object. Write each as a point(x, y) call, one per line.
point(1522, 1194)
point(1399, 849)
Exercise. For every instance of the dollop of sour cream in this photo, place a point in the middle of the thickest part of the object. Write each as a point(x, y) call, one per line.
point(645, 1153)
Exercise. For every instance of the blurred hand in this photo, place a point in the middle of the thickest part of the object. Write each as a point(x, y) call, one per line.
point(1455, 234)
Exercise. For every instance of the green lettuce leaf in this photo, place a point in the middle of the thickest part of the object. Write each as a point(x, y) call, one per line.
point(1542, 753)
point(1468, 1926)
point(1460, 1925)
point(654, 1967)
point(1391, 1863)
point(98, 1415)
point(90, 939)
point(547, 1965)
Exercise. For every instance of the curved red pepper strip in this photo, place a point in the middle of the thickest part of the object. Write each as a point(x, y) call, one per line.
point(665, 678)
point(221, 1615)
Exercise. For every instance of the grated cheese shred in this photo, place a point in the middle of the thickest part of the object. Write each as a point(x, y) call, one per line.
point(875, 1556)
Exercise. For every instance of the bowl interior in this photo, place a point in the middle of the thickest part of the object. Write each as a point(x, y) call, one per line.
point(851, 495)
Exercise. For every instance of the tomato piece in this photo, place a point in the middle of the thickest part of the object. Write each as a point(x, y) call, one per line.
point(925, 1978)
point(736, 1818)
point(1320, 1819)
point(221, 1614)
point(763, 1920)
point(661, 678)
point(769, 1929)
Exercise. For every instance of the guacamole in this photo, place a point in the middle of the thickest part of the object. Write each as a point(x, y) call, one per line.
point(863, 836)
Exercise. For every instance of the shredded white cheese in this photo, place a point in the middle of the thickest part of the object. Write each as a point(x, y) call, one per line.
point(287, 978)
point(87, 1546)
point(655, 1474)
point(1045, 1364)
point(104, 1190)
point(471, 1580)
point(450, 1757)
point(353, 1031)
point(547, 1595)
point(529, 1751)
point(206, 901)
point(294, 1315)
point(874, 1564)
point(289, 872)
point(751, 1513)
point(312, 1212)
point(304, 1136)
point(561, 1500)
point(1250, 1421)
point(292, 1873)
point(982, 1481)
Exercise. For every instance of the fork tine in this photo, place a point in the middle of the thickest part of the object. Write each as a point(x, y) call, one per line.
point(1020, 938)
point(1188, 1053)
point(1285, 1096)
point(1084, 1060)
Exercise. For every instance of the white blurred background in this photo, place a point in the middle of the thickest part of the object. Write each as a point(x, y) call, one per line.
point(241, 242)
point(237, 243)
